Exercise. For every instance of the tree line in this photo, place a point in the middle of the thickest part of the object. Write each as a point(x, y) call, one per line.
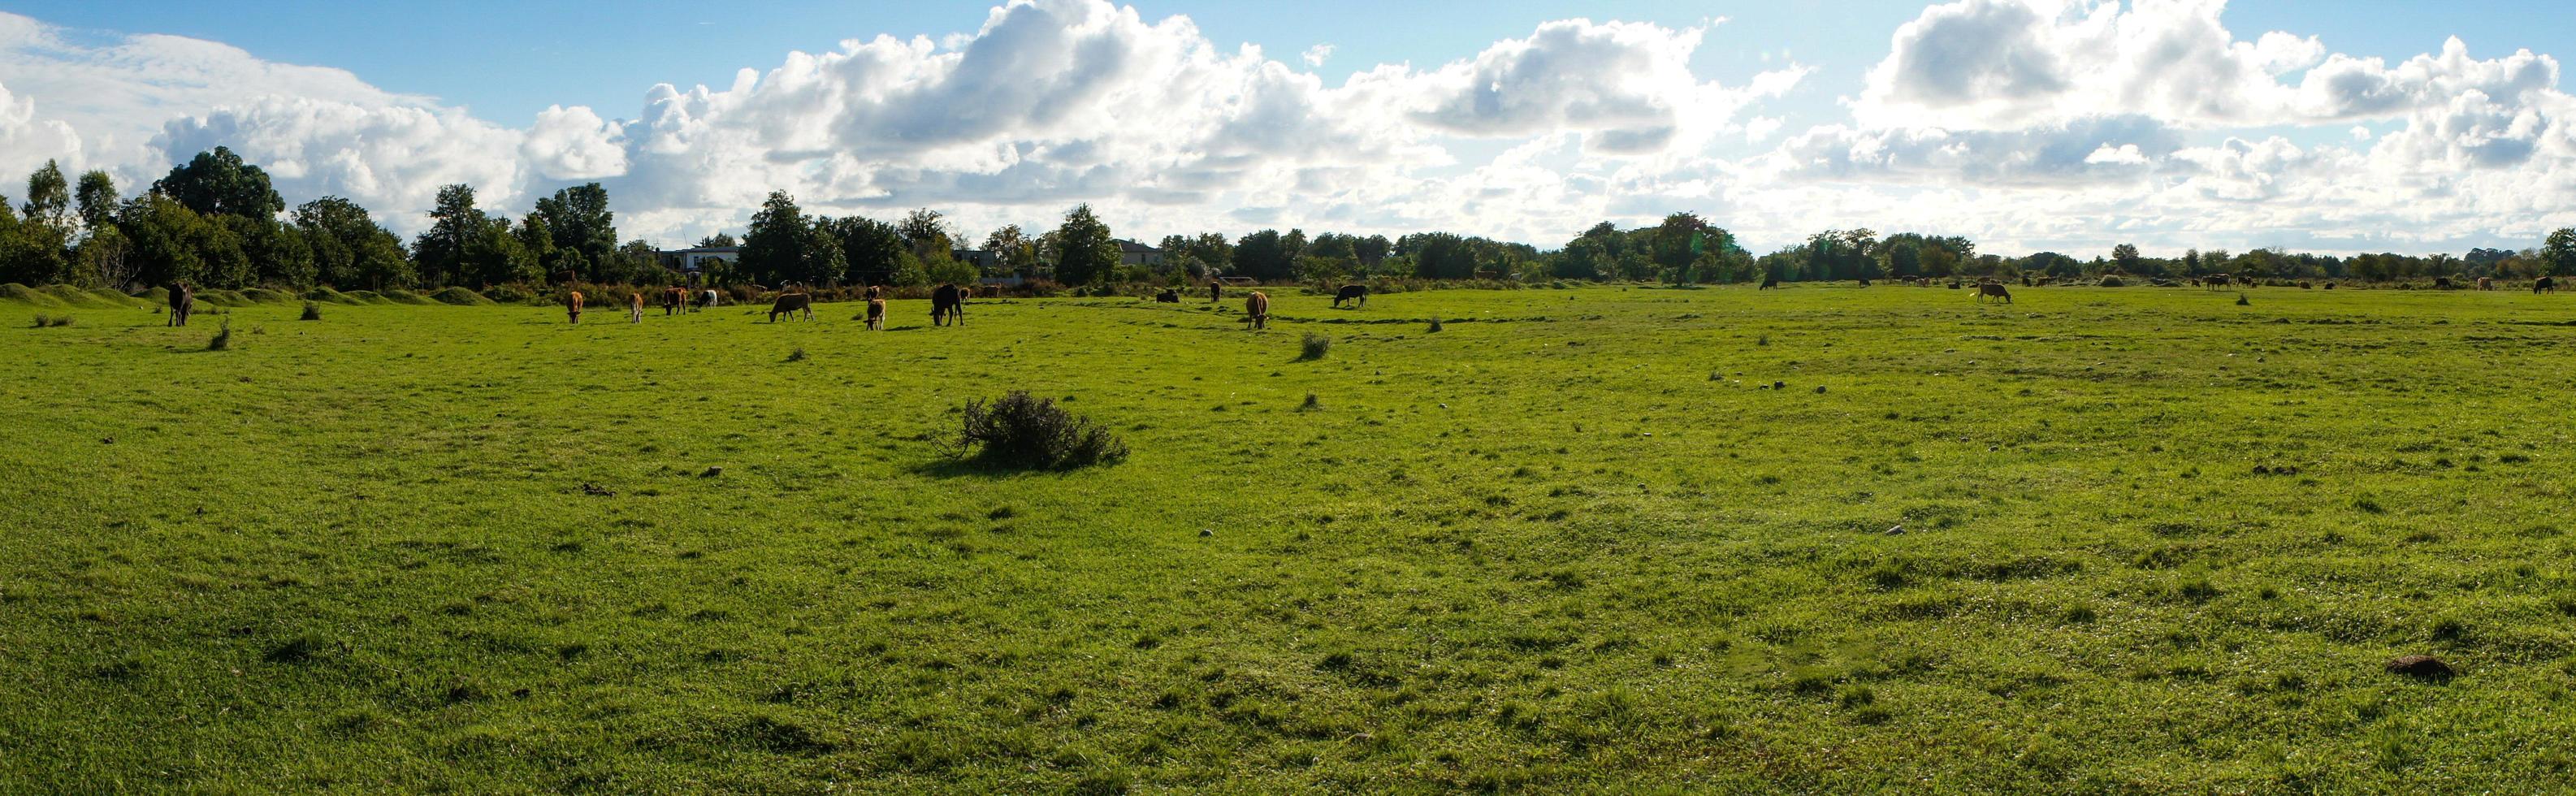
point(216, 221)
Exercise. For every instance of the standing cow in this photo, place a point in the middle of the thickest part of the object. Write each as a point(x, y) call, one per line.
point(1358, 294)
point(947, 302)
point(674, 300)
point(790, 304)
point(635, 307)
point(1987, 290)
point(1257, 306)
point(572, 305)
point(707, 298)
point(876, 309)
point(183, 303)
point(1216, 290)
point(1769, 282)
point(2544, 285)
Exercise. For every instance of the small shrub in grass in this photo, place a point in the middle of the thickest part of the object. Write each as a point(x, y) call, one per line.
point(1435, 324)
point(223, 338)
point(797, 355)
point(312, 311)
point(1025, 432)
point(1313, 403)
point(2241, 301)
point(43, 320)
point(1315, 347)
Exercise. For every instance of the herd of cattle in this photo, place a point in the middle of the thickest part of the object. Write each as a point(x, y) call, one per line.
point(948, 301)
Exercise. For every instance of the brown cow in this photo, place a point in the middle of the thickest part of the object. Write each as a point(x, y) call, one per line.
point(674, 300)
point(635, 306)
point(1257, 306)
point(572, 305)
point(876, 308)
point(1986, 290)
point(790, 304)
point(2485, 283)
point(183, 303)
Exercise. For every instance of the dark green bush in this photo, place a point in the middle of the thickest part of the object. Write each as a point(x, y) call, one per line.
point(1023, 432)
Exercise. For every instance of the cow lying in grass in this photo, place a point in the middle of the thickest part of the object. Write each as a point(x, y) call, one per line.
point(1168, 297)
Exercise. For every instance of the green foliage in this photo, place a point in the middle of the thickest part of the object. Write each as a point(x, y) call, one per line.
point(1085, 252)
point(218, 183)
point(577, 219)
point(1023, 432)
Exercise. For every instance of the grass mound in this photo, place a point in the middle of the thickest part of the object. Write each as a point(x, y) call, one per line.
point(77, 297)
point(26, 295)
point(367, 297)
point(407, 297)
point(224, 298)
point(326, 295)
point(266, 296)
point(460, 297)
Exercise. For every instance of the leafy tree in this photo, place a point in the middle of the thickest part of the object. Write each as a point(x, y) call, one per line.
point(578, 218)
point(926, 231)
point(717, 241)
point(97, 200)
point(537, 242)
point(49, 200)
point(1085, 252)
point(1439, 255)
point(276, 252)
point(2558, 253)
point(456, 227)
point(1371, 250)
point(349, 249)
point(2126, 256)
point(1017, 254)
point(1265, 256)
point(219, 183)
point(870, 250)
point(774, 249)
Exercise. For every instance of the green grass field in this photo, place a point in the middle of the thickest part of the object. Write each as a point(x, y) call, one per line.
point(2142, 540)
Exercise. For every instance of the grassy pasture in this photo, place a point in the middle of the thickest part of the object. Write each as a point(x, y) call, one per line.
point(2100, 539)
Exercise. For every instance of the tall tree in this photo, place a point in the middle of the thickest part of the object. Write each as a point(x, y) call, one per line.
point(872, 251)
point(350, 250)
point(1017, 255)
point(219, 183)
point(97, 198)
point(1086, 253)
point(578, 218)
point(1265, 255)
point(2558, 253)
point(926, 231)
point(2126, 255)
point(773, 250)
point(718, 241)
point(456, 226)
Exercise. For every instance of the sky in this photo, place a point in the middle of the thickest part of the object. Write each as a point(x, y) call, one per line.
point(2067, 125)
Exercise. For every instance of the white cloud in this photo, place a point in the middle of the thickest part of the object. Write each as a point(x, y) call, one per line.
point(1315, 56)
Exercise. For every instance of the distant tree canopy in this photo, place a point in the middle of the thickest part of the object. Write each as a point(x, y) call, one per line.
point(216, 221)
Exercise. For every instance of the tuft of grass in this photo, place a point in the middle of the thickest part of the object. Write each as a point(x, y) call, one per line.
point(1313, 403)
point(1314, 347)
point(312, 311)
point(43, 320)
point(223, 339)
point(797, 355)
point(1019, 431)
point(2242, 301)
point(1435, 325)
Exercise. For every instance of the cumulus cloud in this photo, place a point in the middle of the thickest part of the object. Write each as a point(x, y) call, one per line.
point(1314, 56)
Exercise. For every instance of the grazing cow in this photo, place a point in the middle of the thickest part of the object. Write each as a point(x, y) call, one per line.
point(2544, 285)
point(572, 305)
point(946, 303)
point(1864, 283)
point(2329, 285)
point(2306, 286)
point(1257, 306)
point(792, 303)
point(2485, 283)
point(1770, 282)
point(674, 300)
point(1168, 296)
point(708, 298)
point(2441, 283)
point(183, 303)
point(1216, 290)
point(876, 309)
point(1986, 290)
point(2025, 280)
point(1357, 294)
point(635, 307)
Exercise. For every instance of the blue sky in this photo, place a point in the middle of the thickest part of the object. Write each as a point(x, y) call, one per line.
point(1776, 156)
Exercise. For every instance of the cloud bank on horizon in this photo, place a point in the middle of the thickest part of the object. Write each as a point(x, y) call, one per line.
point(2024, 124)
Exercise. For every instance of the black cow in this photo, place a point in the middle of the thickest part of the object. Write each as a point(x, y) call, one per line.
point(2545, 285)
point(183, 303)
point(1770, 282)
point(946, 302)
point(1168, 297)
point(1358, 294)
